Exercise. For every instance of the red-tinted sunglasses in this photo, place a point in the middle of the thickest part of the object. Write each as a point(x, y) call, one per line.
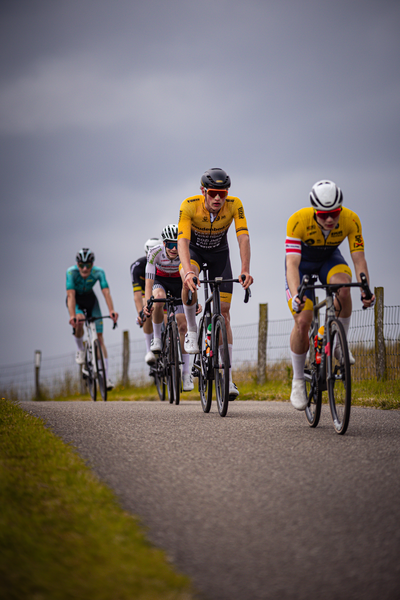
point(322, 214)
point(221, 193)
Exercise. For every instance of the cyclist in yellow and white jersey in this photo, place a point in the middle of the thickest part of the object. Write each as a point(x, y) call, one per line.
point(203, 226)
point(313, 237)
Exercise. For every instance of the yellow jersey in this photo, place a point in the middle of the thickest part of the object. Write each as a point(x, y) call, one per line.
point(208, 231)
point(305, 237)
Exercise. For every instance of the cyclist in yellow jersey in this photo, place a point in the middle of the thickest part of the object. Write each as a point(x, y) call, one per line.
point(203, 226)
point(313, 237)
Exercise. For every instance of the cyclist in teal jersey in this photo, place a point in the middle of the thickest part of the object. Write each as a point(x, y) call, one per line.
point(80, 296)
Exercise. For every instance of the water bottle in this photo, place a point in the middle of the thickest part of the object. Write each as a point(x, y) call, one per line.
point(208, 340)
point(318, 344)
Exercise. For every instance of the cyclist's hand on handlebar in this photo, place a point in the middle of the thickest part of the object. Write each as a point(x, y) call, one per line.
point(191, 282)
point(297, 306)
point(199, 309)
point(114, 315)
point(367, 303)
point(247, 281)
point(74, 321)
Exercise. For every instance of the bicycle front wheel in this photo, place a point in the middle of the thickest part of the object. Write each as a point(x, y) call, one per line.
point(89, 375)
point(101, 371)
point(201, 360)
point(175, 364)
point(221, 365)
point(313, 393)
point(157, 372)
point(339, 380)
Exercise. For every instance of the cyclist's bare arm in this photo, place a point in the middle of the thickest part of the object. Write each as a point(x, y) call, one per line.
point(148, 290)
point(187, 276)
point(293, 275)
point(71, 303)
point(245, 252)
point(360, 266)
point(110, 305)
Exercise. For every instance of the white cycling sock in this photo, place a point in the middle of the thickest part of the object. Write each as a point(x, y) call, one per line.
point(157, 330)
point(148, 337)
point(190, 314)
point(298, 362)
point(345, 321)
point(79, 343)
point(106, 367)
point(230, 349)
point(186, 363)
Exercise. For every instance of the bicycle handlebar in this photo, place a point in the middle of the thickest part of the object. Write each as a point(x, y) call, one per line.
point(217, 281)
point(306, 285)
point(169, 299)
point(91, 319)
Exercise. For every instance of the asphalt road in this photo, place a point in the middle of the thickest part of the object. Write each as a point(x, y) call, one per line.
point(255, 505)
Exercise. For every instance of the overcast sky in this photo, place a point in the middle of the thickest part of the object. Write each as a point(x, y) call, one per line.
point(111, 111)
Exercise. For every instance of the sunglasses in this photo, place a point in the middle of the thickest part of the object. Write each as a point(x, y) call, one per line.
point(82, 265)
point(171, 245)
point(221, 193)
point(326, 215)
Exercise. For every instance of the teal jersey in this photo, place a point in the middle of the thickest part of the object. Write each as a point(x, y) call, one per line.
point(82, 286)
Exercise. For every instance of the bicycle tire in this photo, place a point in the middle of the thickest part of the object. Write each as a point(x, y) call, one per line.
point(175, 365)
point(90, 380)
point(205, 384)
point(313, 391)
point(166, 357)
point(339, 384)
point(159, 379)
point(221, 365)
point(101, 371)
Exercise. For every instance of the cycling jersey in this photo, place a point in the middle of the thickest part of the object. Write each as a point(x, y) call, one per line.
point(159, 263)
point(138, 275)
point(83, 285)
point(205, 230)
point(306, 238)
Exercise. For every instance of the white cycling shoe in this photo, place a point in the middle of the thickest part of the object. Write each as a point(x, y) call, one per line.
point(187, 382)
point(298, 396)
point(233, 391)
point(110, 385)
point(338, 355)
point(156, 345)
point(80, 357)
point(191, 346)
point(150, 358)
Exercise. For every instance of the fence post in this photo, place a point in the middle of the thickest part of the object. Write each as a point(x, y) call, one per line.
point(38, 358)
point(380, 349)
point(125, 359)
point(262, 344)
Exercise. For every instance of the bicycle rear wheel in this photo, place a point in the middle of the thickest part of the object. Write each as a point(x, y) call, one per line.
point(313, 393)
point(90, 380)
point(339, 383)
point(101, 371)
point(221, 365)
point(205, 384)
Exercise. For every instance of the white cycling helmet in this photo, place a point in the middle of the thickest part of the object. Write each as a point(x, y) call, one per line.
point(170, 233)
point(151, 242)
point(325, 195)
point(85, 255)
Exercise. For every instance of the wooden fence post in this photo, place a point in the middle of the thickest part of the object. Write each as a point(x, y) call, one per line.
point(38, 358)
point(125, 359)
point(380, 349)
point(262, 344)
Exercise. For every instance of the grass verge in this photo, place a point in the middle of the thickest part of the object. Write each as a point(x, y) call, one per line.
point(63, 534)
point(371, 393)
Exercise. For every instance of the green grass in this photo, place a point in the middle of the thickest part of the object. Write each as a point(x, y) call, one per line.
point(370, 393)
point(63, 534)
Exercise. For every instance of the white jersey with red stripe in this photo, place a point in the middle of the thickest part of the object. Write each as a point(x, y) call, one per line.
point(159, 264)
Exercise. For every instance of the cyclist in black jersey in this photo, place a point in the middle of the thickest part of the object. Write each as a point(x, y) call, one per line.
point(138, 278)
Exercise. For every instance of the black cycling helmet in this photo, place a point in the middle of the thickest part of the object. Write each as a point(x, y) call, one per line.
point(85, 255)
point(216, 179)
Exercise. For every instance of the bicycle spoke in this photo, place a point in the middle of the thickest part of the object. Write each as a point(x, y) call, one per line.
point(101, 371)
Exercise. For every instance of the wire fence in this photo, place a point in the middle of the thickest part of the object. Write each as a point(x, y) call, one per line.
point(60, 375)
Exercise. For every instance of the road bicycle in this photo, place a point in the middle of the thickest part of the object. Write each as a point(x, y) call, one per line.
point(167, 370)
point(213, 363)
point(328, 365)
point(93, 369)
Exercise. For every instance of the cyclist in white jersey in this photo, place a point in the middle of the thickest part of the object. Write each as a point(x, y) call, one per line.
point(162, 276)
